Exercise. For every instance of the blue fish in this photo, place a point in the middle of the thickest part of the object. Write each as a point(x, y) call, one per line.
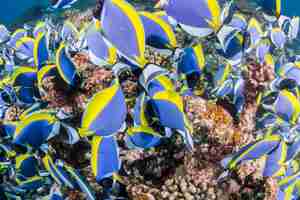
point(57, 172)
point(169, 109)
point(98, 119)
point(252, 151)
point(18, 34)
point(158, 84)
point(233, 42)
point(24, 49)
point(66, 67)
point(275, 161)
point(142, 137)
point(26, 165)
point(238, 21)
point(158, 33)
point(122, 26)
point(198, 18)
point(105, 159)
point(36, 129)
point(278, 38)
point(41, 54)
point(24, 76)
point(100, 51)
point(263, 53)
point(80, 182)
point(192, 60)
point(255, 33)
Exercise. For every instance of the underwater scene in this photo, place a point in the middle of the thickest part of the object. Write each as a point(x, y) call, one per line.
point(150, 100)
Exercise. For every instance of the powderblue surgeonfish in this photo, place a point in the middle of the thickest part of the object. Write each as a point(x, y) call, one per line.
point(99, 50)
point(293, 149)
point(27, 176)
point(24, 49)
point(80, 182)
point(198, 17)
point(24, 76)
point(31, 183)
point(286, 105)
point(274, 165)
point(252, 151)
point(142, 137)
point(65, 175)
point(58, 172)
point(284, 23)
point(169, 109)
point(36, 129)
point(7, 150)
point(24, 81)
point(228, 85)
point(26, 95)
point(289, 187)
point(122, 26)
point(192, 60)
point(66, 67)
point(164, 16)
point(289, 71)
point(27, 165)
point(8, 130)
point(159, 83)
point(263, 53)
point(255, 32)
point(158, 33)
point(40, 52)
point(222, 81)
point(105, 159)
point(239, 94)
point(7, 95)
point(232, 42)
point(98, 119)
point(238, 21)
point(18, 34)
point(278, 38)
point(150, 73)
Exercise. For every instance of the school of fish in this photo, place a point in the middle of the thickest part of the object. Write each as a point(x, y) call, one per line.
point(117, 40)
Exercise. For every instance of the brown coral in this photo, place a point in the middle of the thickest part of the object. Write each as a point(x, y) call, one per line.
point(156, 58)
point(257, 79)
point(214, 119)
point(96, 79)
point(13, 113)
point(81, 61)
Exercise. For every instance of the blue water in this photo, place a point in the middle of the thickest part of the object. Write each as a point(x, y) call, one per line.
point(15, 13)
point(289, 8)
